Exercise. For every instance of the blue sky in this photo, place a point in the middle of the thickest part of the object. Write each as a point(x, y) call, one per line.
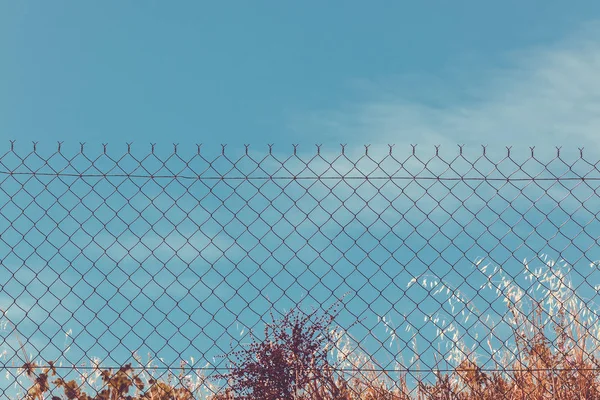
point(266, 72)
point(261, 72)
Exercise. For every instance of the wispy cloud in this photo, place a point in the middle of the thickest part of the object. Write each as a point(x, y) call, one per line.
point(548, 95)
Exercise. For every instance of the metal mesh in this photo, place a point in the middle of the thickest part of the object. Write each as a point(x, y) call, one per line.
point(450, 272)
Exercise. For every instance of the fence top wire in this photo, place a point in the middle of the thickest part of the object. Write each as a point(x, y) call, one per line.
point(387, 165)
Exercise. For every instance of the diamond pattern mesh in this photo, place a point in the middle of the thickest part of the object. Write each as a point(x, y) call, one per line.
point(454, 273)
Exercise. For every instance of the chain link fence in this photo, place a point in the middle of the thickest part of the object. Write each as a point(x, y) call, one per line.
point(144, 271)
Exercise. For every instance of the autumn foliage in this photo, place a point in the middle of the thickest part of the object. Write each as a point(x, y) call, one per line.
point(303, 356)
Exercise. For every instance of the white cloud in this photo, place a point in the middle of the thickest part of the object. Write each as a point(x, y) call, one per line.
point(548, 96)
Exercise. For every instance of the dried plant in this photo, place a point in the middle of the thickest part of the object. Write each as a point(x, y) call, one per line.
point(553, 353)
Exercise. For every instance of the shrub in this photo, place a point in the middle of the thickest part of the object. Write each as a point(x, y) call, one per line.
point(290, 363)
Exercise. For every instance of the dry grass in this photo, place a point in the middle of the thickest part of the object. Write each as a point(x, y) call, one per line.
point(552, 354)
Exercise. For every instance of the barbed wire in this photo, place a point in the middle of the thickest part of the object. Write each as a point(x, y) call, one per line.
point(413, 147)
